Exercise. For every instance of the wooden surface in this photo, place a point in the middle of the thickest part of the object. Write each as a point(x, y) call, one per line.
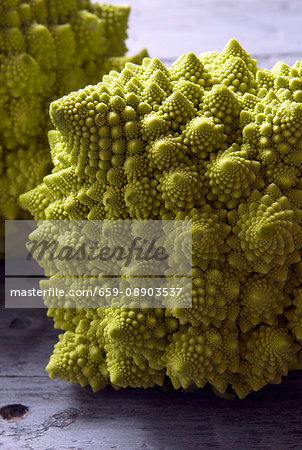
point(61, 416)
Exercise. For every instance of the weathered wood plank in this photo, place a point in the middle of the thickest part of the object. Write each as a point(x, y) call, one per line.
point(62, 416)
point(23, 333)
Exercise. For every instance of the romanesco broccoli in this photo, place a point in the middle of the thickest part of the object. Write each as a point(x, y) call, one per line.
point(212, 139)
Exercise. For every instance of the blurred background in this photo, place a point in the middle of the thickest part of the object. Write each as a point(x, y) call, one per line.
point(268, 29)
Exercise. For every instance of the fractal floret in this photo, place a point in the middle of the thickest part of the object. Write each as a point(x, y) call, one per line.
point(212, 139)
point(47, 49)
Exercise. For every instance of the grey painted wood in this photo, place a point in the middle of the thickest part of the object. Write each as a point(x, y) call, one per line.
point(68, 417)
point(61, 416)
point(64, 417)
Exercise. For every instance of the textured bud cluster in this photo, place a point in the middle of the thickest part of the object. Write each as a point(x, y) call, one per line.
point(47, 49)
point(212, 139)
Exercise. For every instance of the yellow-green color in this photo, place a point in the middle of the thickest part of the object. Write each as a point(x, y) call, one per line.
point(47, 49)
point(212, 139)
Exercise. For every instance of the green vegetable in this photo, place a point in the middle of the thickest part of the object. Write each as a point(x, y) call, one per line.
point(47, 49)
point(214, 139)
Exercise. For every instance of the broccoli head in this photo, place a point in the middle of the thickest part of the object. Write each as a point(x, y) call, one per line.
point(212, 139)
point(47, 49)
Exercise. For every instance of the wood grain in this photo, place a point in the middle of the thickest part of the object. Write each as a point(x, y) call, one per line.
point(61, 416)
